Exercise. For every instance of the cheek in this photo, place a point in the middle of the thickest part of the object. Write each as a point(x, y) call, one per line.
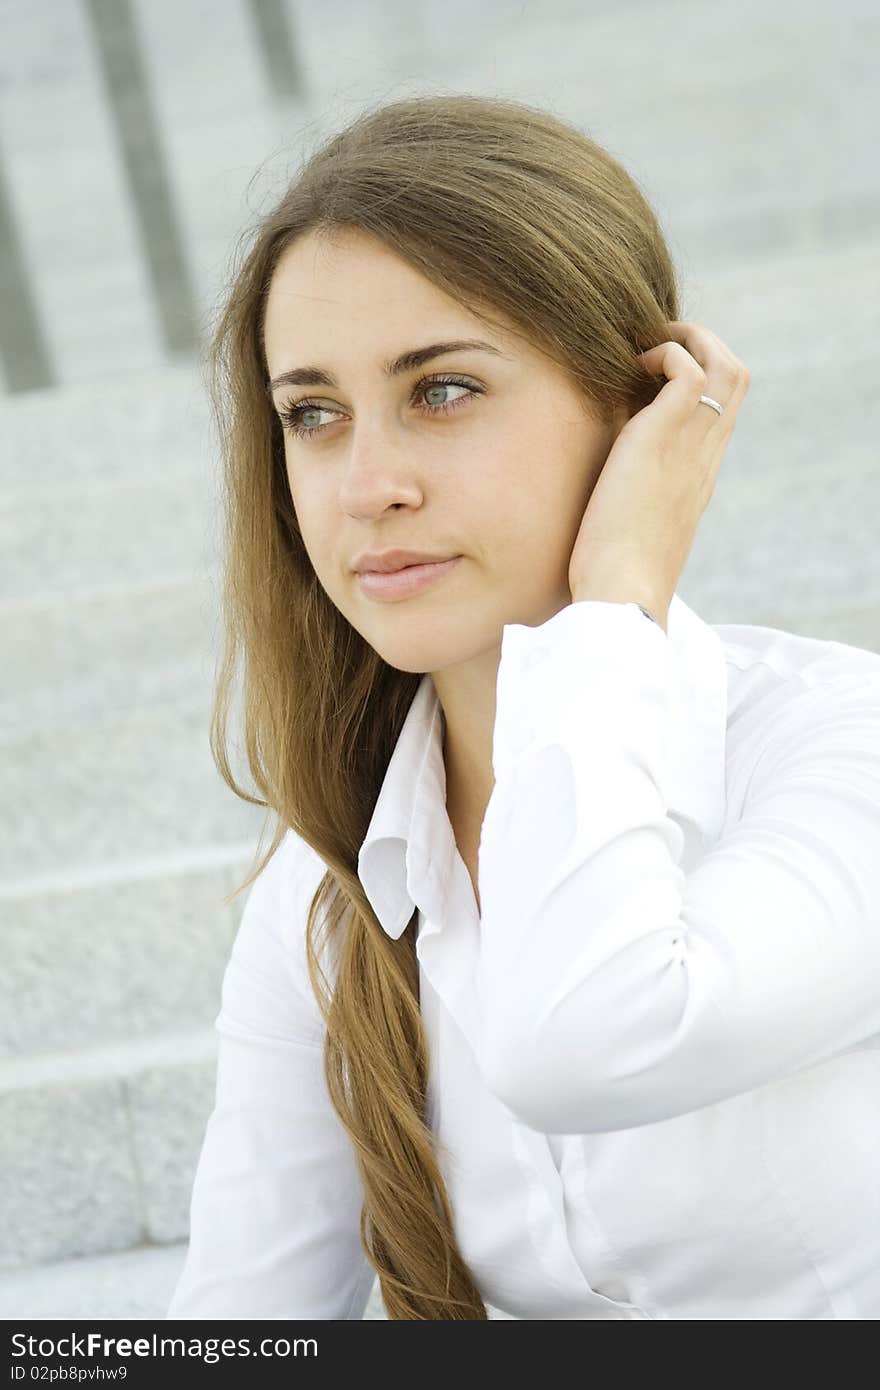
point(311, 521)
point(306, 500)
point(541, 521)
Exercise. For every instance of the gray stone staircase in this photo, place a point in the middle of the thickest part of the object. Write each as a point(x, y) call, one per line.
point(120, 838)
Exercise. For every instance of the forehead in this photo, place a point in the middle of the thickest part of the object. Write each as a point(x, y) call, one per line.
point(327, 292)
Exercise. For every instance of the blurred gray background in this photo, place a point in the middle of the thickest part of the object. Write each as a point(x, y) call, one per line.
point(137, 139)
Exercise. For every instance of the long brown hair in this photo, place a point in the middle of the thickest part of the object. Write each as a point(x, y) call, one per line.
point(506, 207)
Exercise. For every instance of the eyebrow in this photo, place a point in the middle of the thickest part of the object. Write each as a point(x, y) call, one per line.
point(406, 362)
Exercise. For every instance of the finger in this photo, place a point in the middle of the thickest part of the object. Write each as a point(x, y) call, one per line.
point(725, 373)
point(725, 378)
point(701, 342)
point(686, 380)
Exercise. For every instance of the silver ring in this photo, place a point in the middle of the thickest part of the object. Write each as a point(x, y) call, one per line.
point(707, 400)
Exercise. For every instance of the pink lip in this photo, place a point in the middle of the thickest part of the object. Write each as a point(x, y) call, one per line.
point(403, 583)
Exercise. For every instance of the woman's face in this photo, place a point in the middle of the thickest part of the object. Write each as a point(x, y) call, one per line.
point(500, 477)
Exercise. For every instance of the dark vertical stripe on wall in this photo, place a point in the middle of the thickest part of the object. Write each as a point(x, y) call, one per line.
point(137, 130)
point(275, 38)
point(23, 351)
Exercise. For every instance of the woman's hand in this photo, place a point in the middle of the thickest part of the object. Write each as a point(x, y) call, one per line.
point(642, 516)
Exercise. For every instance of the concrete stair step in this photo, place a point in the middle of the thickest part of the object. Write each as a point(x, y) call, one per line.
point(105, 959)
point(88, 796)
point(98, 1147)
point(135, 1284)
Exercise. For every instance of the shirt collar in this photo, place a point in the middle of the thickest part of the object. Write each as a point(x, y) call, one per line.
point(408, 847)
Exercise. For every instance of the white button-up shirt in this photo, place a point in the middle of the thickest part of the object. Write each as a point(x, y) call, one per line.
point(654, 1055)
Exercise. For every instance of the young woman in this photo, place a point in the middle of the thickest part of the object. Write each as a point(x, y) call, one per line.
point(558, 989)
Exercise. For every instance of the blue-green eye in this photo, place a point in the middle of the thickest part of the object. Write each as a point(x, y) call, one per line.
point(291, 416)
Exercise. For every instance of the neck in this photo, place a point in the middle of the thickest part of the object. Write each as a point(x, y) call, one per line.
point(468, 728)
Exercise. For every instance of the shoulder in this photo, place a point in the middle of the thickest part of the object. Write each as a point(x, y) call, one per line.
point(777, 680)
point(287, 882)
point(790, 697)
point(823, 739)
point(760, 660)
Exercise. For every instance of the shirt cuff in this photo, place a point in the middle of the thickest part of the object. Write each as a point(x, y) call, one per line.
point(592, 685)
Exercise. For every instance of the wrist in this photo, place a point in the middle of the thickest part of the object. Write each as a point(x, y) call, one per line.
point(622, 591)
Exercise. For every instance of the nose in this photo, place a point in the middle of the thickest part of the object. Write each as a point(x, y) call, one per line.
point(379, 469)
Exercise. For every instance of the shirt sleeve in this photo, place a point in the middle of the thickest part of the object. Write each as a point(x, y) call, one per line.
point(616, 990)
point(276, 1200)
